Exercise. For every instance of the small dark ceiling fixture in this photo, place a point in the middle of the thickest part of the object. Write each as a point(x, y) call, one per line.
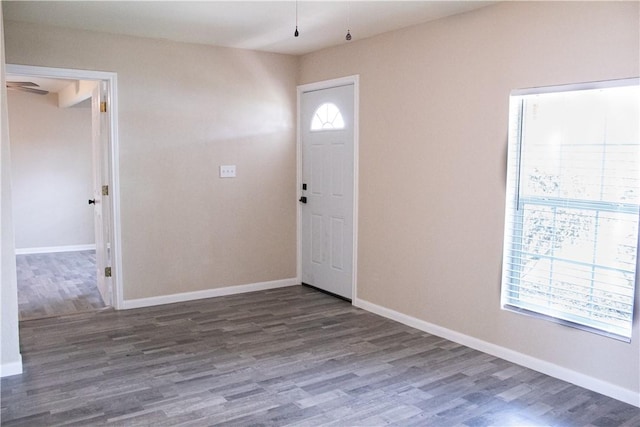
point(296, 33)
point(348, 36)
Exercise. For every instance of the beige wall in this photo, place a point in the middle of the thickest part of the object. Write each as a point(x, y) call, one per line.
point(433, 141)
point(184, 110)
point(51, 164)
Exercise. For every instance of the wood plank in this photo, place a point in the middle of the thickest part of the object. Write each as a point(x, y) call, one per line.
point(289, 356)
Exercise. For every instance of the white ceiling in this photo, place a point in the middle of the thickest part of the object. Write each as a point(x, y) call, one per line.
point(259, 25)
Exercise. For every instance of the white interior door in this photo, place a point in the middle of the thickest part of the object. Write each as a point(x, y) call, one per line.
point(100, 201)
point(327, 138)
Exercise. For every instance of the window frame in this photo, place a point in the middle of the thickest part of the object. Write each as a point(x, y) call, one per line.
point(316, 115)
point(515, 213)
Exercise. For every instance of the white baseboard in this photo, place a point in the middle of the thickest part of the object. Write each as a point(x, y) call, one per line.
point(577, 378)
point(13, 368)
point(208, 293)
point(51, 249)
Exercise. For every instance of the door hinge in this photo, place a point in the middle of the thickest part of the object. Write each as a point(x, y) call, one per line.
point(103, 106)
point(105, 190)
point(107, 272)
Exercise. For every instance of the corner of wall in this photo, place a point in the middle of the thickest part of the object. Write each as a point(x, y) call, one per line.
point(10, 358)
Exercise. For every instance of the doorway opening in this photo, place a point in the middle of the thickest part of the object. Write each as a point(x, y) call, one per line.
point(63, 133)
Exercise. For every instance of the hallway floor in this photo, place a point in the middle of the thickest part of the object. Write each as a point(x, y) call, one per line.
point(56, 284)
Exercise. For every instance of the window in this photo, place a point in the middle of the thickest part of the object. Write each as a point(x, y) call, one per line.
point(573, 194)
point(327, 117)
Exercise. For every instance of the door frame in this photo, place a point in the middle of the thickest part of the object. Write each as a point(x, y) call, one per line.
point(328, 84)
point(114, 185)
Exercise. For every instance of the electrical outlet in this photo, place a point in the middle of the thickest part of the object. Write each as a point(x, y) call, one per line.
point(228, 171)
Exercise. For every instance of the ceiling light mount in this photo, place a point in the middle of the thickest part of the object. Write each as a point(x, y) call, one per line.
point(296, 33)
point(348, 36)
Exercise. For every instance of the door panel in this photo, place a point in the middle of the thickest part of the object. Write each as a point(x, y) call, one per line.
point(317, 254)
point(337, 243)
point(317, 168)
point(101, 209)
point(337, 169)
point(107, 222)
point(327, 169)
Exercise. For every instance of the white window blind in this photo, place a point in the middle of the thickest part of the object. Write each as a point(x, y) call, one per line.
point(573, 195)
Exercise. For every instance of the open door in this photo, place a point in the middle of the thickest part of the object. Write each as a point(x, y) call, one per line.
point(100, 201)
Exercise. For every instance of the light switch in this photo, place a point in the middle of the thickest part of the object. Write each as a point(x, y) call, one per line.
point(228, 171)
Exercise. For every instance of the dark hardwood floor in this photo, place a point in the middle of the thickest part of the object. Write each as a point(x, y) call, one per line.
point(55, 284)
point(290, 356)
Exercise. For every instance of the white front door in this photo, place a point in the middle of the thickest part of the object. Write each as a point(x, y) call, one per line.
point(327, 138)
point(100, 201)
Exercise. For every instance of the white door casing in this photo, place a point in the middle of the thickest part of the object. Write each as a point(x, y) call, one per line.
point(328, 160)
point(106, 167)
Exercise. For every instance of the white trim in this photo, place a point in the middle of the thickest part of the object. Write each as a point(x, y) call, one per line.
point(298, 190)
point(551, 369)
point(58, 73)
point(327, 84)
point(207, 293)
point(112, 83)
point(12, 368)
point(634, 81)
point(356, 182)
point(54, 249)
point(117, 281)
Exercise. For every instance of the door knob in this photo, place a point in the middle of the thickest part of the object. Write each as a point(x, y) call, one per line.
point(92, 201)
point(303, 199)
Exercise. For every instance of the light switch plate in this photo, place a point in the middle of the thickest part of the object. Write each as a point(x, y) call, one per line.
point(227, 171)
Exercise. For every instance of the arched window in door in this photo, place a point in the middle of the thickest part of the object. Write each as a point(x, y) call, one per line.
point(327, 117)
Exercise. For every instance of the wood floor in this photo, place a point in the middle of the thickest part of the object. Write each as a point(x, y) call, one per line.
point(55, 284)
point(285, 357)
